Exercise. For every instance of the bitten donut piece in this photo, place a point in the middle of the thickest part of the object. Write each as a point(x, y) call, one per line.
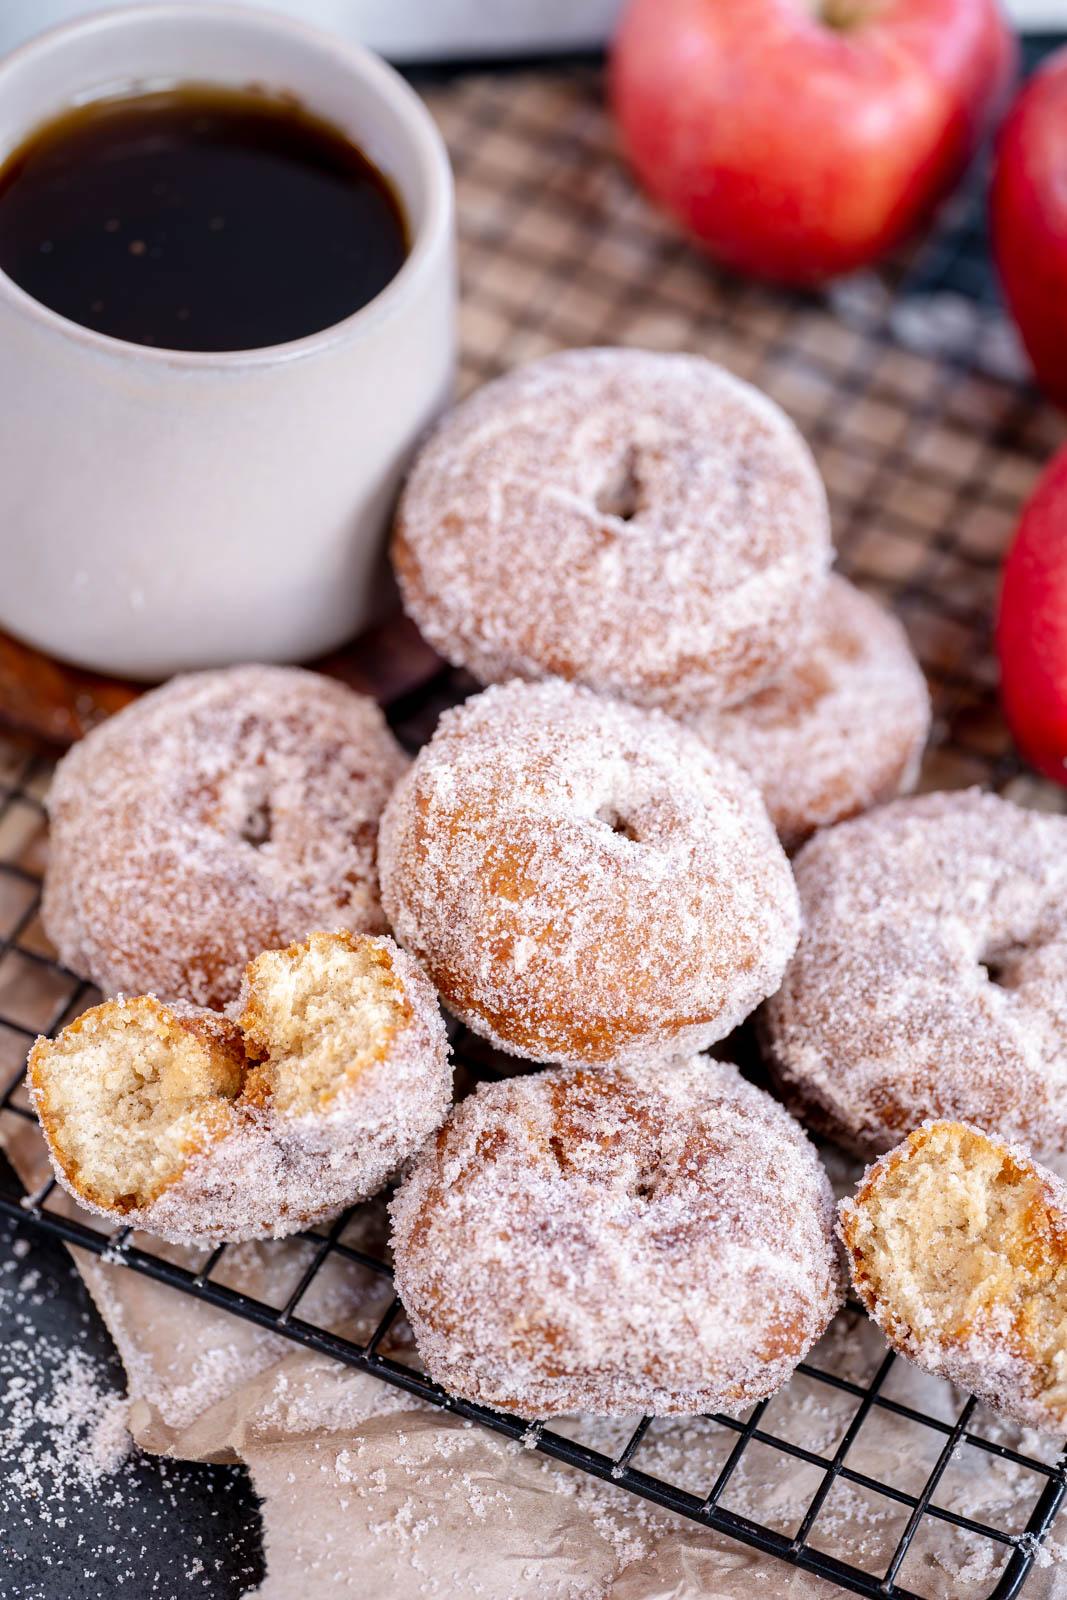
point(957, 1244)
point(584, 881)
point(193, 1127)
point(654, 1239)
point(645, 524)
point(931, 975)
point(844, 727)
point(221, 815)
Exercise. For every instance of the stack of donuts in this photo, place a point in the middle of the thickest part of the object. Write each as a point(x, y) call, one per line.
point(587, 864)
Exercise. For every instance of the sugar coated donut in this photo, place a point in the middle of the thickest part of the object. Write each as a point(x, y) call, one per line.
point(181, 1122)
point(224, 814)
point(645, 524)
point(583, 880)
point(842, 730)
point(957, 1244)
point(654, 1239)
point(931, 975)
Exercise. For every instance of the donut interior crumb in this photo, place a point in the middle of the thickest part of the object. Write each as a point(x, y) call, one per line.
point(320, 1012)
point(959, 1244)
point(133, 1088)
point(127, 1092)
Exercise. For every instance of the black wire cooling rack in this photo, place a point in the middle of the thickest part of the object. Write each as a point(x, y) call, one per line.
point(927, 535)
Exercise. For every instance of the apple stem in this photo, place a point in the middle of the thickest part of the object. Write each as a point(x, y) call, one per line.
point(843, 14)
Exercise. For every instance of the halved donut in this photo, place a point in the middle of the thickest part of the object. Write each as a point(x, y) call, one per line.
point(957, 1244)
point(190, 1126)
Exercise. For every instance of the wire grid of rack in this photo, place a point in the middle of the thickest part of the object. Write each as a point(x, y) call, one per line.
point(907, 388)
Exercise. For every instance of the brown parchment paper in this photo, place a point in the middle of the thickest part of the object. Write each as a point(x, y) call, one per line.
point(369, 1494)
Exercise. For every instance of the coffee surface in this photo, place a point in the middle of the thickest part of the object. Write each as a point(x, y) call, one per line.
point(198, 219)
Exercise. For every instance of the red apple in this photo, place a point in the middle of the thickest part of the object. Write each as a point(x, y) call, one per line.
point(799, 139)
point(1032, 626)
point(1029, 214)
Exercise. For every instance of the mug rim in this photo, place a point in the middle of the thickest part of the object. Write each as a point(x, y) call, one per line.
point(429, 239)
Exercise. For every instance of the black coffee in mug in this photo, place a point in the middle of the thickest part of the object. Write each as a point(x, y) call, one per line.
point(198, 218)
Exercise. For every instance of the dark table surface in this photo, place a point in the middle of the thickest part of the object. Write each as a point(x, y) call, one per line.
point(150, 1529)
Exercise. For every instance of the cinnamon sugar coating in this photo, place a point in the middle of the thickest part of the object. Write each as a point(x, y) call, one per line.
point(583, 880)
point(190, 1126)
point(654, 1239)
point(957, 1244)
point(645, 524)
point(931, 975)
point(842, 730)
point(223, 814)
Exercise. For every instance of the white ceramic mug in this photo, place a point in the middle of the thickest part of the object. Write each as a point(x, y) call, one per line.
point(167, 509)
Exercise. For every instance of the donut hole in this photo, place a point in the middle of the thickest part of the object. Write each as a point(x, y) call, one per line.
point(617, 823)
point(1004, 965)
point(957, 1243)
point(559, 1155)
point(620, 494)
point(257, 827)
point(321, 1013)
point(128, 1093)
